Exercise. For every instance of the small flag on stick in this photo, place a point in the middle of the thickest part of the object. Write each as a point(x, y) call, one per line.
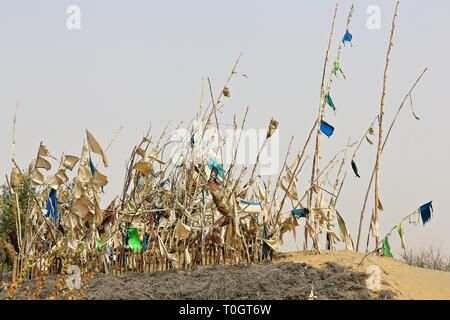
point(95, 147)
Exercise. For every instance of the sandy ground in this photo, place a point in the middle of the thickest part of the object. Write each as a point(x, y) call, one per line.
point(267, 281)
point(406, 281)
point(332, 275)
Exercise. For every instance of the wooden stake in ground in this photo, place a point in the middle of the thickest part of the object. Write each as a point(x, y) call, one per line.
point(380, 125)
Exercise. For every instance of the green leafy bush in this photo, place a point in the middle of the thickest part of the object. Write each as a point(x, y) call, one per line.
point(8, 211)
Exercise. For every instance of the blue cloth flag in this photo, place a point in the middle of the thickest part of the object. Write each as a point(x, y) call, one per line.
point(425, 212)
point(347, 37)
point(145, 242)
point(138, 182)
point(52, 206)
point(250, 203)
point(326, 128)
point(164, 182)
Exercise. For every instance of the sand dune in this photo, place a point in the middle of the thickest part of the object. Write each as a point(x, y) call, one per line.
point(406, 281)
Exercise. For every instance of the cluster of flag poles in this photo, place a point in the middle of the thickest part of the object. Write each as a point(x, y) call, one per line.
point(193, 200)
point(314, 223)
point(327, 129)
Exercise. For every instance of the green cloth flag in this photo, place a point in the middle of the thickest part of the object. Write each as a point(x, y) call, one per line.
point(337, 67)
point(387, 247)
point(401, 233)
point(133, 242)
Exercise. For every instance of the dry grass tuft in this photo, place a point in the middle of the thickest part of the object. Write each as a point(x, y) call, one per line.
point(429, 258)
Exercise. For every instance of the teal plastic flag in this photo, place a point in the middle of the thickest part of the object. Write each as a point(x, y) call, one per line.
point(91, 164)
point(330, 102)
point(192, 142)
point(250, 203)
point(145, 244)
point(355, 169)
point(213, 164)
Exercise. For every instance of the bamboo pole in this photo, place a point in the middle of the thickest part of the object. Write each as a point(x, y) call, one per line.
point(380, 123)
point(315, 167)
point(383, 146)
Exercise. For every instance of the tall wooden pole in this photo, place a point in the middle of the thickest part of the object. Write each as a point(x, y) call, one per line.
point(315, 167)
point(324, 91)
point(382, 148)
point(380, 126)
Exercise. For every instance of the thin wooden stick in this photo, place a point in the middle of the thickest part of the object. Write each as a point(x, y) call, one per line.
point(296, 168)
point(215, 117)
point(111, 142)
point(13, 144)
point(279, 175)
point(380, 123)
point(229, 173)
point(384, 144)
point(315, 166)
point(388, 234)
point(258, 155)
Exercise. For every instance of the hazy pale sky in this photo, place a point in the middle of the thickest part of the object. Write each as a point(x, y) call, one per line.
point(136, 63)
